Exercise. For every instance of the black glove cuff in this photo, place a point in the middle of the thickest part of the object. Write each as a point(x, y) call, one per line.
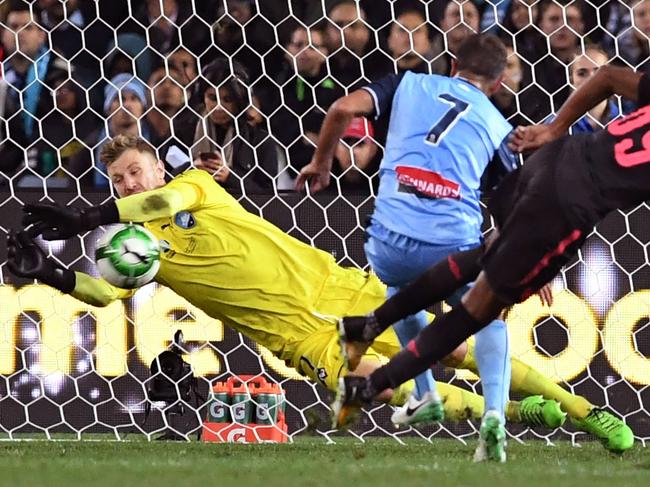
point(62, 279)
point(100, 215)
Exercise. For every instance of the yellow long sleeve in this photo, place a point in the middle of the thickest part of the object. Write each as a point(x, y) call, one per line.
point(97, 292)
point(182, 193)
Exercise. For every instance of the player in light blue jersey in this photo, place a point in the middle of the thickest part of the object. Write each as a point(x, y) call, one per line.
point(444, 138)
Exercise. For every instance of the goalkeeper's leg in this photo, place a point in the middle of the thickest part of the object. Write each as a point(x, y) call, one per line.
point(528, 381)
point(614, 434)
point(461, 404)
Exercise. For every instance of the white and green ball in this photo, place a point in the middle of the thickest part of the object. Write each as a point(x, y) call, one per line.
point(128, 256)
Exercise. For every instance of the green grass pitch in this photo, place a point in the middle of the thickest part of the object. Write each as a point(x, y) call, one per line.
point(311, 462)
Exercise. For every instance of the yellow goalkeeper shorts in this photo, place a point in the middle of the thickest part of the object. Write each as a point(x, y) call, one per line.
point(319, 357)
point(348, 292)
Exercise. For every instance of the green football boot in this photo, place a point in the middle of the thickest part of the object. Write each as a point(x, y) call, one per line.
point(537, 411)
point(492, 439)
point(612, 432)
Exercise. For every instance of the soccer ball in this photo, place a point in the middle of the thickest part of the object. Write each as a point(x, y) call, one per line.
point(128, 256)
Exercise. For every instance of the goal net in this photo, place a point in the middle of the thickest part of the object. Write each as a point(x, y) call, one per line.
point(75, 73)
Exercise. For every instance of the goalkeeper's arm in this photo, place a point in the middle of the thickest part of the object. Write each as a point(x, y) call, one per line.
point(97, 292)
point(57, 222)
point(26, 259)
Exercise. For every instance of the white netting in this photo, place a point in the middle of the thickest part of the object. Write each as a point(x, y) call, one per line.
point(66, 367)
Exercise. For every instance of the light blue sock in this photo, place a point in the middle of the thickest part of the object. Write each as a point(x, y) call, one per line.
point(493, 360)
point(406, 330)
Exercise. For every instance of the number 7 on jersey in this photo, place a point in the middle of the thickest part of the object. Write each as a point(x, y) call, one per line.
point(449, 118)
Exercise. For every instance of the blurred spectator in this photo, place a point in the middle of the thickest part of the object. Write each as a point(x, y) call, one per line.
point(506, 98)
point(30, 69)
point(184, 62)
point(64, 22)
point(131, 55)
point(176, 21)
point(562, 26)
point(411, 46)
point(225, 144)
point(125, 101)
point(493, 15)
point(254, 113)
point(518, 27)
point(358, 155)
point(352, 50)
point(634, 44)
point(71, 119)
point(347, 28)
point(68, 132)
point(458, 23)
point(584, 67)
point(170, 119)
point(245, 37)
point(616, 18)
point(307, 93)
point(550, 71)
point(4, 10)
point(76, 38)
point(66, 137)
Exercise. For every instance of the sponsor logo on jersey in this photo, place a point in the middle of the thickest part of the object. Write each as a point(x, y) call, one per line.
point(184, 219)
point(426, 184)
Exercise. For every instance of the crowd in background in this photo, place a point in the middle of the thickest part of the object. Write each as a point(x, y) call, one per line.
point(241, 87)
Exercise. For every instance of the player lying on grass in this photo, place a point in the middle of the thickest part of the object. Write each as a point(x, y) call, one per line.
point(318, 355)
point(562, 191)
point(241, 269)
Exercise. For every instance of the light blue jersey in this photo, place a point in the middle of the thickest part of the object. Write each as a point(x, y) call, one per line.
point(444, 138)
point(443, 135)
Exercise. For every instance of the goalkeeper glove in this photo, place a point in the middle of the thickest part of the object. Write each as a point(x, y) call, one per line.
point(26, 259)
point(56, 222)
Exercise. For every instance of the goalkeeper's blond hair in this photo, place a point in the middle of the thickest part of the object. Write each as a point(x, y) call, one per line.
point(118, 145)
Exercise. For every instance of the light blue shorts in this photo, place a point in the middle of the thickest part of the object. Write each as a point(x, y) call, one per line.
point(398, 260)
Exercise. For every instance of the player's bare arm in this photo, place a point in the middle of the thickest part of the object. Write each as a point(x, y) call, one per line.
point(608, 81)
point(340, 114)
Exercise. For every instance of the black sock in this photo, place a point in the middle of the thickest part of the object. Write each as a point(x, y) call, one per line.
point(436, 341)
point(434, 285)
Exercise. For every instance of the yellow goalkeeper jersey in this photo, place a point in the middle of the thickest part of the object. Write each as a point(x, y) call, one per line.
point(243, 270)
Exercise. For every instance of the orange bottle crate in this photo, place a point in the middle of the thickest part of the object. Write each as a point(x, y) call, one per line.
point(246, 409)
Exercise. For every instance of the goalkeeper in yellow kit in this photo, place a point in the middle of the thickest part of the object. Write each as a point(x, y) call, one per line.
point(241, 269)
